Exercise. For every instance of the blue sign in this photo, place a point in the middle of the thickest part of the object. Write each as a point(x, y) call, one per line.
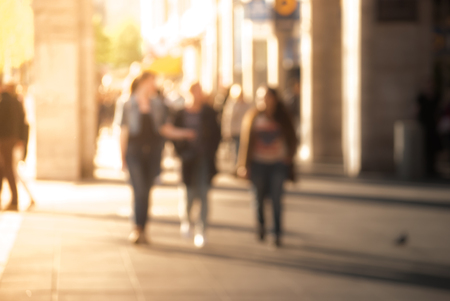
point(258, 10)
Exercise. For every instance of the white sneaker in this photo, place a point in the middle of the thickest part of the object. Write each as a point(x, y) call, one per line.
point(199, 241)
point(134, 236)
point(137, 237)
point(185, 230)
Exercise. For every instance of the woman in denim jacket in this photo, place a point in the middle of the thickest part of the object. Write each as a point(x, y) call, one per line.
point(144, 128)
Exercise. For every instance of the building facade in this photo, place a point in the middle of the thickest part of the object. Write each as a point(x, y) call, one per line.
point(362, 64)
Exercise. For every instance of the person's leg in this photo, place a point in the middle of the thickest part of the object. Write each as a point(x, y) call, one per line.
point(447, 147)
point(153, 169)
point(190, 196)
point(236, 140)
point(7, 147)
point(1, 170)
point(430, 152)
point(186, 221)
point(140, 187)
point(203, 189)
point(278, 176)
point(258, 177)
point(189, 180)
point(191, 192)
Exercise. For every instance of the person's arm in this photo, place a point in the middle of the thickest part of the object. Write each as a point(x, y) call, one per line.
point(169, 131)
point(226, 120)
point(245, 144)
point(124, 133)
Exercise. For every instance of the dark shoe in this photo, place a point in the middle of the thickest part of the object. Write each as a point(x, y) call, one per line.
point(277, 241)
point(402, 240)
point(12, 207)
point(261, 233)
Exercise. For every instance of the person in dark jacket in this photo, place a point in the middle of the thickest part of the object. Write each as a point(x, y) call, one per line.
point(428, 103)
point(12, 130)
point(144, 127)
point(268, 146)
point(198, 158)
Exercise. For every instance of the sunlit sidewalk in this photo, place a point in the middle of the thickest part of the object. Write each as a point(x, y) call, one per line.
point(338, 245)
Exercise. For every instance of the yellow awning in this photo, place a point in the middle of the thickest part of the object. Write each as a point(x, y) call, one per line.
point(167, 65)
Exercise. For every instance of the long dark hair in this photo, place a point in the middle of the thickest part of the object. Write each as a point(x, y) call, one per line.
point(139, 79)
point(282, 116)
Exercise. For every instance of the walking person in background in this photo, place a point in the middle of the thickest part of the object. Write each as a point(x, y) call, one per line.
point(292, 101)
point(12, 133)
point(198, 158)
point(428, 103)
point(233, 114)
point(143, 129)
point(444, 126)
point(268, 146)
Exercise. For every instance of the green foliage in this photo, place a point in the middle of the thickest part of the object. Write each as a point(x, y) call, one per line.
point(127, 44)
point(103, 44)
point(16, 33)
point(120, 47)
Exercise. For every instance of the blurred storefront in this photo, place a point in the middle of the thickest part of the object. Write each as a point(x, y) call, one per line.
point(184, 29)
point(362, 64)
point(224, 41)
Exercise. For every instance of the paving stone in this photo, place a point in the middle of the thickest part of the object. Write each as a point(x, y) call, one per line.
point(96, 297)
point(24, 295)
point(87, 282)
point(334, 250)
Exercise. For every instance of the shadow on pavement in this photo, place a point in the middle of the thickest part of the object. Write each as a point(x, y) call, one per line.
point(167, 221)
point(377, 199)
point(302, 256)
point(373, 267)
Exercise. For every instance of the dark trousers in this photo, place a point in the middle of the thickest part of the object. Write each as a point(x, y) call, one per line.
point(267, 180)
point(237, 141)
point(143, 167)
point(198, 187)
point(6, 166)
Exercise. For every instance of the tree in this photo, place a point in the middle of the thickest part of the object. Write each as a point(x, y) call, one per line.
point(103, 44)
point(16, 33)
point(127, 44)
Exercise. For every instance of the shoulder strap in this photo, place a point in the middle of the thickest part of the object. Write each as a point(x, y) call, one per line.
point(244, 148)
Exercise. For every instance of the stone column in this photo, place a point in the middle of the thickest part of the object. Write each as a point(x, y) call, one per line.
point(395, 61)
point(63, 88)
point(326, 82)
point(88, 84)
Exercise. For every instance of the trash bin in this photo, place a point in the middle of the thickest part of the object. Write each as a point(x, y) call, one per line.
point(409, 149)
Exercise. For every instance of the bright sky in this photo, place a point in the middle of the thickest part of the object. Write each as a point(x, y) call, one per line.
point(16, 32)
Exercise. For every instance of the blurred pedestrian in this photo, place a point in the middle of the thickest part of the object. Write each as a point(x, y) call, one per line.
point(233, 114)
point(268, 146)
point(428, 102)
point(198, 158)
point(220, 100)
point(13, 129)
point(143, 129)
point(444, 126)
point(292, 101)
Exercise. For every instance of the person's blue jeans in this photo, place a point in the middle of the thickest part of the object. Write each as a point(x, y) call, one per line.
point(143, 167)
point(237, 142)
point(198, 188)
point(268, 180)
